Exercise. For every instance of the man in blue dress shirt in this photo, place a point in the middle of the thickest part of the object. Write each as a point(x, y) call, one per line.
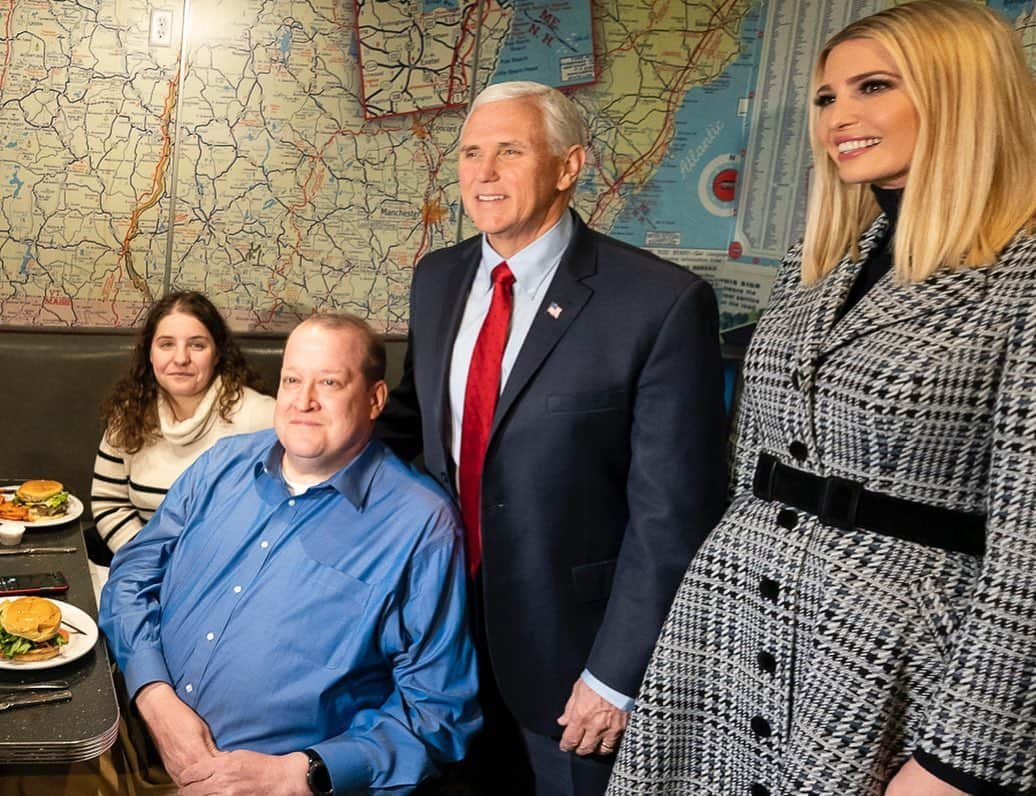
point(292, 620)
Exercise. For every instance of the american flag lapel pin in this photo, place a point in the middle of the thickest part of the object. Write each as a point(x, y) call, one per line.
point(554, 311)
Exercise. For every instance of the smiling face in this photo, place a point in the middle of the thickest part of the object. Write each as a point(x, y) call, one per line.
point(183, 357)
point(513, 187)
point(325, 407)
point(866, 121)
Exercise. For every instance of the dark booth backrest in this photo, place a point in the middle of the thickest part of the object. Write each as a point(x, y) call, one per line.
point(52, 383)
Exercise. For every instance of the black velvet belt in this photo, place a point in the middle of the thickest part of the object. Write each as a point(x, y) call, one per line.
point(845, 504)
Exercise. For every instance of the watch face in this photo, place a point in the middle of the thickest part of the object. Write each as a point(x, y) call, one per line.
point(317, 776)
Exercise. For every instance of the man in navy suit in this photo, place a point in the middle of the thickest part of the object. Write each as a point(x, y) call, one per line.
point(600, 470)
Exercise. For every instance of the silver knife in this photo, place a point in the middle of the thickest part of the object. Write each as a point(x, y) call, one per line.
point(53, 685)
point(21, 700)
point(21, 551)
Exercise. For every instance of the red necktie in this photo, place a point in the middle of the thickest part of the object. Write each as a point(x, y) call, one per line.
point(480, 396)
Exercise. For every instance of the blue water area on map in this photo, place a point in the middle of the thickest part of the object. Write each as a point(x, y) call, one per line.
point(27, 257)
point(710, 137)
point(1011, 8)
point(17, 183)
point(550, 43)
point(285, 45)
point(435, 5)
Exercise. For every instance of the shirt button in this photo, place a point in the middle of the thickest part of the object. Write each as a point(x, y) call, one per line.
point(799, 452)
point(291, 502)
point(787, 519)
point(237, 590)
point(761, 727)
point(264, 544)
point(760, 790)
point(769, 589)
point(210, 636)
point(766, 662)
point(188, 688)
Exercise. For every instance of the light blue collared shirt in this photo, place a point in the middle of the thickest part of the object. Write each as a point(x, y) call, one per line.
point(533, 268)
point(333, 620)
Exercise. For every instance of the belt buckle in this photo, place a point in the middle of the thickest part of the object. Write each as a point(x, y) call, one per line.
point(765, 473)
point(839, 502)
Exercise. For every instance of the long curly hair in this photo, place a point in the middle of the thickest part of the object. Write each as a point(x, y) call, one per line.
point(130, 412)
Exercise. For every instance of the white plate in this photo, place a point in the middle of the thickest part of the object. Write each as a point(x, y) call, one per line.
point(78, 643)
point(75, 509)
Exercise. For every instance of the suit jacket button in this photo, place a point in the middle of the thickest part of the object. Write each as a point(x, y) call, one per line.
point(761, 727)
point(766, 662)
point(798, 451)
point(759, 790)
point(769, 589)
point(787, 519)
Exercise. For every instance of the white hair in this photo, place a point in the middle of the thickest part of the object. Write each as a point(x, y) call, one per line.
point(561, 118)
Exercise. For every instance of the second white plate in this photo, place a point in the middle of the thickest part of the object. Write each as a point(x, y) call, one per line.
point(78, 643)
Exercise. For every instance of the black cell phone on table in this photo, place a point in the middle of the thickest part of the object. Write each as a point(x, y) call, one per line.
point(33, 583)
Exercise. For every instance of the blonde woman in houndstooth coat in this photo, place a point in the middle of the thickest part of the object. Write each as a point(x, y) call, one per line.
point(863, 619)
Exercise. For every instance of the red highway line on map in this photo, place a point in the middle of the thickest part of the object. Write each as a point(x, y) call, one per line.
point(613, 187)
point(7, 39)
point(150, 199)
point(465, 32)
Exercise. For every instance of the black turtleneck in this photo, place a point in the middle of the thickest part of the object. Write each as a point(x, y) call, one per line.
point(880, 259)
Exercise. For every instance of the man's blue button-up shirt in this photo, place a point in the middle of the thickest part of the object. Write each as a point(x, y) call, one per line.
point(332, 620)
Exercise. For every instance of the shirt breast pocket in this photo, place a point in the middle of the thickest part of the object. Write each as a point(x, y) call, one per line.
point(329, 616)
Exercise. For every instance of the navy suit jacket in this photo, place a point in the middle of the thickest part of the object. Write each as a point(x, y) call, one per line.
point(605, 466)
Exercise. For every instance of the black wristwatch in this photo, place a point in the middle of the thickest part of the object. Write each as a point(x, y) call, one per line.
point(317, 777)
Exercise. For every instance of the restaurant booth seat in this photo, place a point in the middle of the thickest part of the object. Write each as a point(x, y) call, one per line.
point(52, 382)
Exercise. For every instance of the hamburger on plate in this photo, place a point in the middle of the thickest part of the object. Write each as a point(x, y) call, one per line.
point(43, 498)
point(30, 629)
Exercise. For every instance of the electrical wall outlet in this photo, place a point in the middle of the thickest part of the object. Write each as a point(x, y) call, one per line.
point(160, 31)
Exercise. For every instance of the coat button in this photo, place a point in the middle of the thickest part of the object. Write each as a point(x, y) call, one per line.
point(799, 452)
point(769, 589)
point(761, 727)
point(766, 662)
point(759, 790)
point(787, 519)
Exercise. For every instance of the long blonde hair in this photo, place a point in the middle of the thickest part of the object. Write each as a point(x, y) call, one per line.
point(972, 180)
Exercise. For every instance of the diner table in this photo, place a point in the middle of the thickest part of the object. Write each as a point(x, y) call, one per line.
point(87, 725)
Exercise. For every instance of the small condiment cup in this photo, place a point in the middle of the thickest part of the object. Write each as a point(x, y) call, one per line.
point(11, 533)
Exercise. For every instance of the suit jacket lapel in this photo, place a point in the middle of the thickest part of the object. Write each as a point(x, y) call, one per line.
point(889, 303)
point(454, 299)
point(822, 301)
point(570, 294)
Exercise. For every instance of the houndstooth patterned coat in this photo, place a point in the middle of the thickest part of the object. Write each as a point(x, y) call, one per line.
point(800, 659)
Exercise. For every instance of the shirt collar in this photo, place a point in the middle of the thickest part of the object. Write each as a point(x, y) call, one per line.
point(353, 481)
point(532, 264)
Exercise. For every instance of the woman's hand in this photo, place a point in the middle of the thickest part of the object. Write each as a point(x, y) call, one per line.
point(913, 780)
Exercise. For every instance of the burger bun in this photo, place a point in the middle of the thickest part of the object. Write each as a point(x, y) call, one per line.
point(38, 490)
point(34, 618)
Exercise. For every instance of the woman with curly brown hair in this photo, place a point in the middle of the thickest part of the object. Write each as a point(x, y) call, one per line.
point(188, 386)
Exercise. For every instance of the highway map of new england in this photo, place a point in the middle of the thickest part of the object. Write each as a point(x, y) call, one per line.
point(289, 156)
